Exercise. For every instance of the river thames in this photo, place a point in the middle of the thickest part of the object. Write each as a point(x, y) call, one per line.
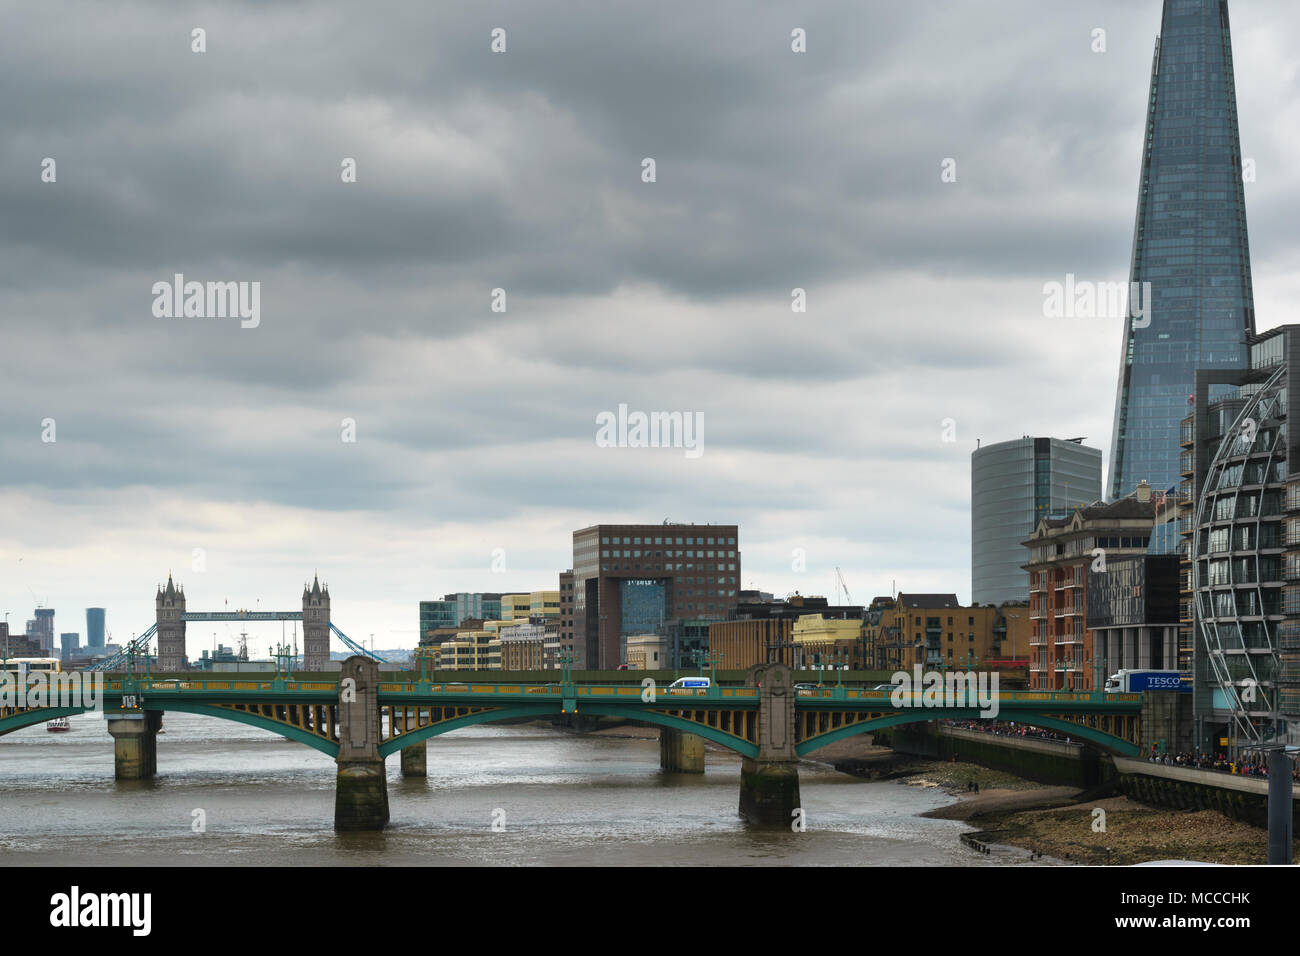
point(555, 798)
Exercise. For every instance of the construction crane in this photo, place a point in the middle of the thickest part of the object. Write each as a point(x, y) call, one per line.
point(842, 586)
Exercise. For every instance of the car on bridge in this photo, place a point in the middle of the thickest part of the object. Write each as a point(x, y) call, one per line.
point(689, 685)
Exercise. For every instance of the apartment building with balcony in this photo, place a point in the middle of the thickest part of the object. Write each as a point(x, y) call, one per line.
point(1061, 551)
point(934, 630)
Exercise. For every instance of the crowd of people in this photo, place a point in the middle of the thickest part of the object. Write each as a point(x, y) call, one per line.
point(1248, 766)
point(1009, 728)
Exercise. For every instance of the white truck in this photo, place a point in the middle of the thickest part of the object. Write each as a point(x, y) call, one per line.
point(1136, 681)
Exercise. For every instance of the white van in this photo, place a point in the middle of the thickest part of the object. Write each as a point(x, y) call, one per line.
point(689, 684)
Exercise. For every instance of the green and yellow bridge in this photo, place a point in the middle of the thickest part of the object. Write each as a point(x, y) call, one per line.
point(359, 717)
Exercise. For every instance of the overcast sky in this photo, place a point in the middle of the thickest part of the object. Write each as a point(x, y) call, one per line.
point(475, 430)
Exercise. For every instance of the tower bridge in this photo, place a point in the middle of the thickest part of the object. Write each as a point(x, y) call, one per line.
point(173, 615)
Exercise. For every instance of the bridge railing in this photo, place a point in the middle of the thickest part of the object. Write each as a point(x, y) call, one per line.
point(567, 690)
point(201, 686)
point(1006, 696)
point(716, 692)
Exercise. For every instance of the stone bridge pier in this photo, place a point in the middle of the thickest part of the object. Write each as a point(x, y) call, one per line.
point(135, 744)
point(415, 760)
point(361, 787)
point(680, 752)
point(769, 783)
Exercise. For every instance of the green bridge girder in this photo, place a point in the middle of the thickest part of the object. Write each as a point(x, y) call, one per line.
point(522, 701)
point(720, 737)
point(27, 718)
point(1109, 742)
point(505, 712)
point(314, 741)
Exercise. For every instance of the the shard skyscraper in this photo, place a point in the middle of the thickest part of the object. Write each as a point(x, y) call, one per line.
point(1189, 243)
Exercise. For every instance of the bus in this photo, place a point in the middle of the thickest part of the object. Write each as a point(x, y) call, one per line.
point(31, 665)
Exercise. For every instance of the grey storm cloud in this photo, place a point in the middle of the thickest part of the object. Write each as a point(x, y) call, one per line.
point(522, 171)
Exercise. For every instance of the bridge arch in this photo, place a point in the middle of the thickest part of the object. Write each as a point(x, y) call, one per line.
point(1107, 742)
point(487, 716)
point(328, 747)
point(722, 738)
point(29, 718)
point(719, 737)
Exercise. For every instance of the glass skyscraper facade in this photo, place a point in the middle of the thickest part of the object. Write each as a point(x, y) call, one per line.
point(1244, 560)
point(1189, 243)
point(95, 627)
point(1013, 485)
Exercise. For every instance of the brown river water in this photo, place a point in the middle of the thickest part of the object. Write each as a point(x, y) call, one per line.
point(557, 799)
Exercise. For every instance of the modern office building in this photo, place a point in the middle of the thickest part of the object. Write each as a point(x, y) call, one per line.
point(470, 651)
point(68, 645)
point(566, 612)
point(18, 645)
point(530, 605)
point(515, 607)
point(1189, 243)
point(94, 628)
point(637, 579)
point(1242, 567)
point(688, 642)
point(1132, 611)
point(453, 609)
point(544, 604)
point(1014, 484)
point(41, 629)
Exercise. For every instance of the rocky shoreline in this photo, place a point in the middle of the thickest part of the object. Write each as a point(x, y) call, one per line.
point(1059, 823)
point(1052, 823)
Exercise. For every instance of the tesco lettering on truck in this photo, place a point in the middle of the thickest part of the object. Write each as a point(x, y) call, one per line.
point(1136, 681)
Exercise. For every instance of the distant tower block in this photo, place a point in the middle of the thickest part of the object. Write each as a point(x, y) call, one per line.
point(315, 626)
point(171, 629)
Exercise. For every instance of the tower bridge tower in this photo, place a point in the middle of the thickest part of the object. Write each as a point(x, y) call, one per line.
point(315, 626)
point(170, 605)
